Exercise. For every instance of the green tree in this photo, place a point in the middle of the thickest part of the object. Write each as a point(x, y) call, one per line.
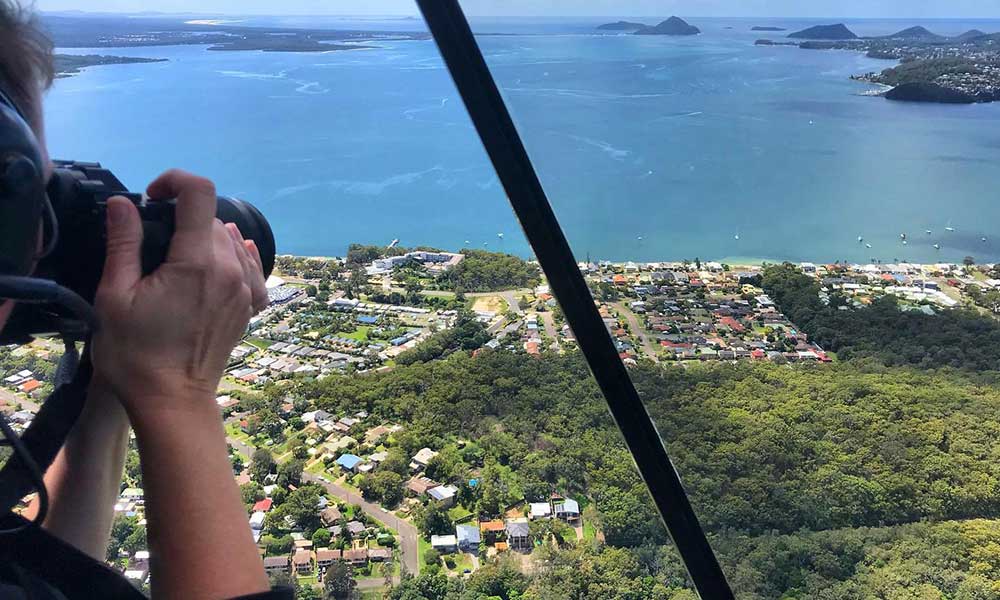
point(338, 583)
point(321, 538)
point(261, 464)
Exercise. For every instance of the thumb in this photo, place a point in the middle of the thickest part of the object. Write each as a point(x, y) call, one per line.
point(123, 264)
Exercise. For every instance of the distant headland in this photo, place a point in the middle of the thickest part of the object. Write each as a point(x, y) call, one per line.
point(671, 26)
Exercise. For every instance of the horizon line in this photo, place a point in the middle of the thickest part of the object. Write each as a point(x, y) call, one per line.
point(410, 16)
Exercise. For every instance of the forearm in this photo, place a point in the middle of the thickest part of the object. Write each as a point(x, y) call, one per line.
point(200, 541)
point(84, 480)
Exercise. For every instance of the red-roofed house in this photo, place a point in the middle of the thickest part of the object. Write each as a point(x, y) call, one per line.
point(29, 386)
point(262, 506)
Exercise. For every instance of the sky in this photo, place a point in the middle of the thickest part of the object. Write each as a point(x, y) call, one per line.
point(639, 8)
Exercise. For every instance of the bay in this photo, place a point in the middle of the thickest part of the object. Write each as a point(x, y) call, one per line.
point(649, 147)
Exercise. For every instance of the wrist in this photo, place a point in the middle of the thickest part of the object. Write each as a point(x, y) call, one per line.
point(179, 411)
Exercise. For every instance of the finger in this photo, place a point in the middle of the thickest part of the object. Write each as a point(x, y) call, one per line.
point(123, 262)
point(246, 263)
point(194, 215)
point(255, 253)
point(251, 270)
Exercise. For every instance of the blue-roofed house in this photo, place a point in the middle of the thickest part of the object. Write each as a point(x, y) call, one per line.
point(349, 462)
point(468, 537)
point(367, 319)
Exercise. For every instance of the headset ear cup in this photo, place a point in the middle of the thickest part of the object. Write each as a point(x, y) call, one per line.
point(22, 191)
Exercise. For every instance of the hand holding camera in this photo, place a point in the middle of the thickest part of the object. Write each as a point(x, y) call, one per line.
point(165, 338)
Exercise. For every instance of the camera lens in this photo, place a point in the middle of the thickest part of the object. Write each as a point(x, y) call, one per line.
point(252, 225)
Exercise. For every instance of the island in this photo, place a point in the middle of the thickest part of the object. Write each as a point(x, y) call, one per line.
point(67, 65)
point(825, 32)
point(622, 26)
point(767, 28)
point(672, 26)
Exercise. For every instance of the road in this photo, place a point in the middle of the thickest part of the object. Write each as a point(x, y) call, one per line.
point(13, 399)
point(511, 299)
point(549, 322)
point(637, 329)
point(408, 534)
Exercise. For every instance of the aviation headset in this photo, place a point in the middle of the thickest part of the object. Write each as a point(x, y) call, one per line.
point(26, 221)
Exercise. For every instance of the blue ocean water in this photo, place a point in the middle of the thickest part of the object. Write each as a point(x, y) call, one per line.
point(650, 148)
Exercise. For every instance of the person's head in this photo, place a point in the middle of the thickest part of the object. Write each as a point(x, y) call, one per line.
point(26, 71)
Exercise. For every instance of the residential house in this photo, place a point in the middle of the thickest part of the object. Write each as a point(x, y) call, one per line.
point(492, 529)
point(349, 462)
point(443, 494)
point(356, 557)
point(330, 515)
point(303, 561)
point(257, 520)
point(567, 509)
point(420, 485)
point(422, 458)
point(139, 560)
point(356, 528)
point(445, 544)
point(468, 537)
point(326, 556)
point(263, 506)
point(276, 564)
point(137, 576)
point(380, 554)
point(540, 510)
point(518, 534)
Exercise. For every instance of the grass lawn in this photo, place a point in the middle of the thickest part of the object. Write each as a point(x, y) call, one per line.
point(259, 342)
point(312, 579)
point(317, 468)
point(360, 334)
point(423, 546)
point(235, 432)
point(372, 594)
point(459, 514)
point(462, 562)
point(589, 531)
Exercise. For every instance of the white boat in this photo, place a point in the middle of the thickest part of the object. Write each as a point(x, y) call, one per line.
point(868, 245)
point(500, 235)
point(860, 239)
point(902, 236)
point(937, 246)
point(904, 242)
point(928, 232)
point(736, 237)
point(949, 229)
point(984, 239)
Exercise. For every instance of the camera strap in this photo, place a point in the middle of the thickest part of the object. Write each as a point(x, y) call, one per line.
point(49, 429)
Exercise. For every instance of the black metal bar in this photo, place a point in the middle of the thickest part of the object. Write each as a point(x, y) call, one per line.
point(513, 166)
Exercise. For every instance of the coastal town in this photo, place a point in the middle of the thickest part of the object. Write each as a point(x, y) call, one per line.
point(354, 499)
point(935, 68)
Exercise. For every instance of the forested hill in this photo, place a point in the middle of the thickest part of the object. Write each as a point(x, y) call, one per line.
point(956, 338)
point(809, 479)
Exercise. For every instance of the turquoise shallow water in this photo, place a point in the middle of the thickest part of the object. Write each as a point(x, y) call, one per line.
point(686, 143)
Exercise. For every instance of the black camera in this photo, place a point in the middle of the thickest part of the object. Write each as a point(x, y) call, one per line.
point(78, 193)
